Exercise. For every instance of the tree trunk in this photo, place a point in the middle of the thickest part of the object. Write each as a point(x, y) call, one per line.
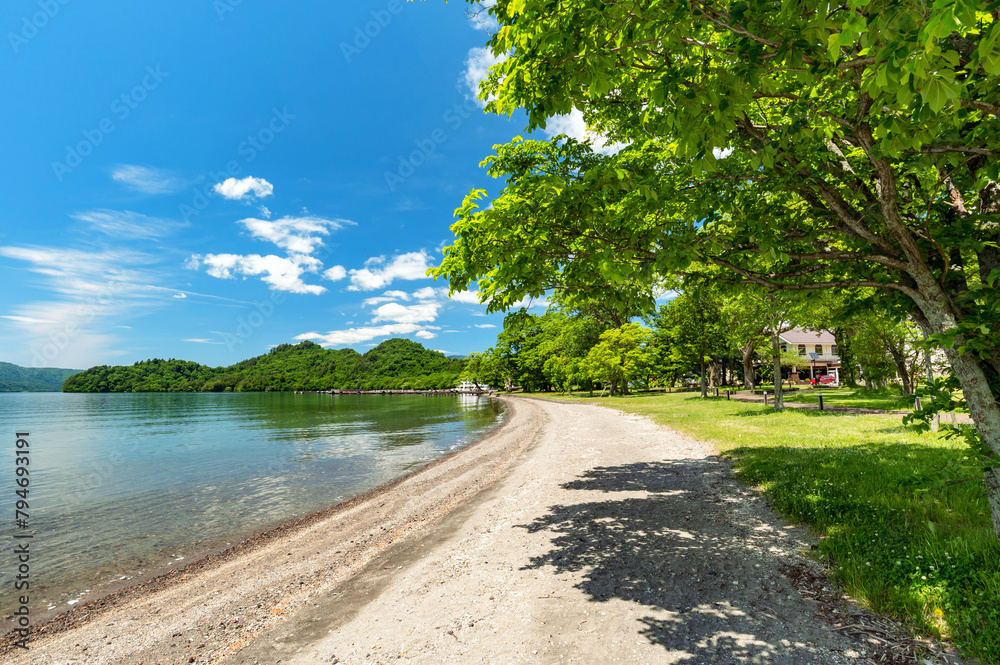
point(704, 385)
point(779, 401)
point(901, 368)
point(844, 352)
point(979, 397)
point(748, 376)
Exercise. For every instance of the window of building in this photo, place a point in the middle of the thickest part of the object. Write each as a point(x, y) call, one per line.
point(819, 349)
point(833, 350)
point(784, 349)
point(802, 349)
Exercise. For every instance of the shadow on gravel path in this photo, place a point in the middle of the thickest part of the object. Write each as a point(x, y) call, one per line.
point(691, 548)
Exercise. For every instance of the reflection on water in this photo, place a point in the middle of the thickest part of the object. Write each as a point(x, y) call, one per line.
point(121, 482)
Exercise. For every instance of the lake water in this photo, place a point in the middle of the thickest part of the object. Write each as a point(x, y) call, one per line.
point(122, 483)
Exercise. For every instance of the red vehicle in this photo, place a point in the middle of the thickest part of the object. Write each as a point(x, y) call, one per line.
point(828, 379)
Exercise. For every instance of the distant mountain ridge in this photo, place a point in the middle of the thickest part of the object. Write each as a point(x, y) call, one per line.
point(393, 365)
point(14, 378)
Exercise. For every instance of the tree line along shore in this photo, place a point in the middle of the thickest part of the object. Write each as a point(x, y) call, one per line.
point(396, 364)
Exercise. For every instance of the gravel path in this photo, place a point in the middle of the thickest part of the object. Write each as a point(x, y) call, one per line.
point(573, 534)
point(615, 541)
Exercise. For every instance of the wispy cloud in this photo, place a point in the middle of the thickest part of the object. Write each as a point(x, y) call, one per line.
point(86, 289)
point(197, 340)
point(127, 224)
point(234, 189)
point(147, 179)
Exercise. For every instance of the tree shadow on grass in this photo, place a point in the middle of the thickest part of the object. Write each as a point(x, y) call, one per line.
point(809, 413)
point(715, 585)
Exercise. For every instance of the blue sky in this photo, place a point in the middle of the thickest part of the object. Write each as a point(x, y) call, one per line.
point(206, 179)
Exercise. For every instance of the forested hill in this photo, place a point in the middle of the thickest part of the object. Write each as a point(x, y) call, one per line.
point(393, 364)
point(14, 378)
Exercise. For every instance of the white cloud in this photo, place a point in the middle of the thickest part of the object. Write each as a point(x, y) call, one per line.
point(573, 125)
point(530, 302)
point(180, 296)
point(203, 341)
point(388, 296)
point(485, 325)
point(377, 273)
point(425, 334)
point(147, 179)
point(428, 293)
point(301, 235)
point(234, 189)
point(477, 70)
point(468, 297)
point(359, 335)
point(126, 224)
point(480, 18)
point(335, 274)
point(281, 273)
point(406, 313)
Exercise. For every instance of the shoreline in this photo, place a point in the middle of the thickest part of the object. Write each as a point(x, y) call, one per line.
point(115, 595)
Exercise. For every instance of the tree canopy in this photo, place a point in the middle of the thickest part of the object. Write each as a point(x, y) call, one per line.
point(797, 145)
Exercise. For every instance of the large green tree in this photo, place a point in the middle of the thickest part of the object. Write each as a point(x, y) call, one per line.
point(800, 145)
point(622, 355)
point(692, 327)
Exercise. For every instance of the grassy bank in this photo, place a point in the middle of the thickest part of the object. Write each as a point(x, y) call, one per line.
point(899, 542)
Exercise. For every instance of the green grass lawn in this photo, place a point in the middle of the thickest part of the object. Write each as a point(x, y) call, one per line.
point(865, 484)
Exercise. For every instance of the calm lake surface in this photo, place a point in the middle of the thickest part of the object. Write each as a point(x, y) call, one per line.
point(123, 483)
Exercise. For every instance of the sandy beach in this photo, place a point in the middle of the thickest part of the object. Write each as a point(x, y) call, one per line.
point(574, 533)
